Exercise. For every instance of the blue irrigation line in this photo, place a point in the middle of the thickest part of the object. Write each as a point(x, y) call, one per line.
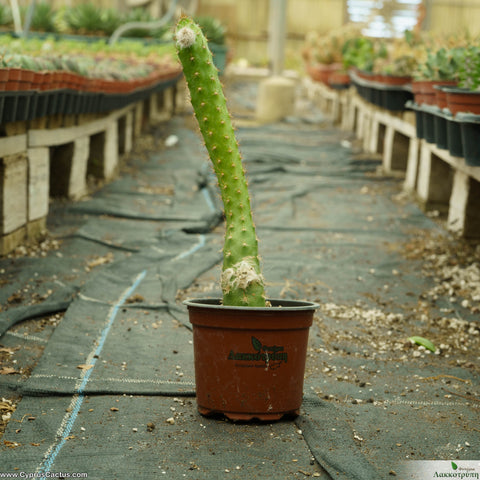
point(51, 456)
point(201, 243)
point(208, 199)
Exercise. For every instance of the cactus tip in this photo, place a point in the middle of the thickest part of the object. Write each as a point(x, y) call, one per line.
point(185, 37)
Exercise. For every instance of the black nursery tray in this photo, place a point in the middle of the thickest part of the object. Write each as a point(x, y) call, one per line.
point(17, 106)
point(30, 104)
point(390, 97)
point(470, 133)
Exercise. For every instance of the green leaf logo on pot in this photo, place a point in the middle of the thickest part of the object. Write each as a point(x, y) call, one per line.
point(267, 357)
point(257, 344)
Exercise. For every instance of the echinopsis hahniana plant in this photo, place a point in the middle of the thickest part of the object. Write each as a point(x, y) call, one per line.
point(242, 281)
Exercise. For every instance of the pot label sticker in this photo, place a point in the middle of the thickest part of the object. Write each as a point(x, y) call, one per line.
point(269, 357)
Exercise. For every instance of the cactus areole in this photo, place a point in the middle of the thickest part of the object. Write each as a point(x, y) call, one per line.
point(242, 281)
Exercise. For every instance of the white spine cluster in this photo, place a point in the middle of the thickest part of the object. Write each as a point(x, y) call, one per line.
point(185, 37)
point(240, 275)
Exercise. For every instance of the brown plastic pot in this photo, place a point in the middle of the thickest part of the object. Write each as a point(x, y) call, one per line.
point(250, 361)
point(461, 100)
point(320, 72)
point(393, 79)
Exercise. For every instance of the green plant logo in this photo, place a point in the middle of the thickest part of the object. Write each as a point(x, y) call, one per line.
point(462, 472)
point(268, 357)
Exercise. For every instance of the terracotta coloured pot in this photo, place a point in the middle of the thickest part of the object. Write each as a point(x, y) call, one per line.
point(49, 80)
point(14, 78)
point(393, 79)
point(321, 72)
point(38, 80)
point(250, 362)
point(366, 75)
point(428, 89)
point(440, 97)
point(428, 92)
point(417, 91)
point(26, 79)
point(463, 100)
point(339, 79)
point(4, 72)
point(92, 84)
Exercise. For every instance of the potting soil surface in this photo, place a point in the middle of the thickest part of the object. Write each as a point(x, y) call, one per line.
point(96, 348)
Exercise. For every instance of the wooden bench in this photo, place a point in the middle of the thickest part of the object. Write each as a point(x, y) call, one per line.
point(440, 181)
point(54, 157)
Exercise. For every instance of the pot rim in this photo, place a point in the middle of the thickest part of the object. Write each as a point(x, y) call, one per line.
point(281, 304)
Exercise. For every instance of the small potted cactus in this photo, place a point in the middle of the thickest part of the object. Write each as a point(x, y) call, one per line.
point(249, 352)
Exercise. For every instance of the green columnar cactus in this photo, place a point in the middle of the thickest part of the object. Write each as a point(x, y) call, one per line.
point(242, 281)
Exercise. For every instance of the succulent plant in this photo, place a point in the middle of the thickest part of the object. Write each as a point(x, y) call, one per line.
point(469, 71)
point(5, 15)
point(212, 28)
point(242, 281)
point(363, 52)
point(43, 18)
point(441, 64)
point(84, 18)
point(403, 56)
point(17, 60)
point(144, 16)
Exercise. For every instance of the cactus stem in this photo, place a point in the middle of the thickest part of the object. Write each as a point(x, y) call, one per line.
point(242, 282)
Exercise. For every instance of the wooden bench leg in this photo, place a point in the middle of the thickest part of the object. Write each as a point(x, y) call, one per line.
point(412, 165)
point(463, 214)
point(38, 183)
point(103, 155)
point(138, 119)
point(395, 152)
point(13, 192)
point(434, 181)
point(125, 133)
point(68, 169)
point(13, 201)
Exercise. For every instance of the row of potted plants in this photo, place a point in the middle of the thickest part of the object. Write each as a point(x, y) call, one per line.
point(87, 22)
point(33, 104)
point(447, 100)
point(412, 59)
point(50, 64)
point(91, 21)
point(437, 77)
point(85, 18)
point(47, 77)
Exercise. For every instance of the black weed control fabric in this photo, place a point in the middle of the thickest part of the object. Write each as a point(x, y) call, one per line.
point(112, 395)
